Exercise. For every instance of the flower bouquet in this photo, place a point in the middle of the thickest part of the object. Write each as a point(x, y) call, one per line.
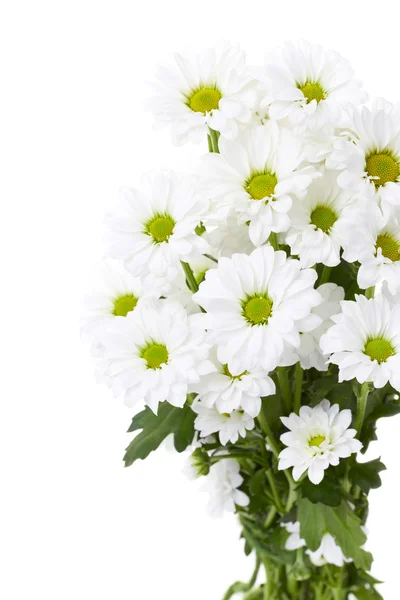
point(252, 310)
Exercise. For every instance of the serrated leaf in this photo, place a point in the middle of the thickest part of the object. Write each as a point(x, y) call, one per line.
point(366, 475)
point(341, 523)
point(155, 428)
point(327, 492)
point(367, 594)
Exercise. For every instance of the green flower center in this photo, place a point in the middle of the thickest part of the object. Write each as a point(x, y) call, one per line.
point(227, 372)
point(383, 167)
point(205, 100)
point(389, 246)
point(316, 440)
point(379, 349)
point(312, 91)
point(124, 304)
point(155, 355)
point(160, 228)
point(323, 218)
point(261, 185)
point(257, 310)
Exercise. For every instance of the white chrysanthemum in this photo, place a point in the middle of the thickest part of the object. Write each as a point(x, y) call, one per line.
point(233, 391)
point(253, 303)
point(222, 484)
point(211, 89)
point(229, 426)
point(294, 541)
point(311, 85)
point(155, 353)
point(365, 341)
point(318, 437)
point(375, 244)
point(255, 177)
point(229, 237)
point(317, 222)
point(370, 160)
point(309, 353)
point(154, 229)
point(328, 553)
point(115, 294)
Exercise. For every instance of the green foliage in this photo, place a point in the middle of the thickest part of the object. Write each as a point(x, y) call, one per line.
point(155, 428)
point(367, 594)
point(366, 475)
point(327, 492)
point(341, 522)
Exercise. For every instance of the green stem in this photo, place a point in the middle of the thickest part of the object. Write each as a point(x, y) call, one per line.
point(213, 140)
point(240, 586)
point(370, 292)
point(274, 490)
point(361, 407)
point(270, 518)
point(269, 585)
point(286, 390)
point(273, 240)
point(190, 278)
point(298, 382)
point(263, 420)
point(326, 273)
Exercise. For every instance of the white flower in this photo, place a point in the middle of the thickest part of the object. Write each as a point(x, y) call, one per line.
point(375, 244)
point(311, 86)
point(115, 294)
point(229, 237)
point(253, 303)
point(311, 329)
point(370, 160)
point(154, 229)
point(365, 341)
point(229, 392)
point(318, 437)
point(211, 89)
point(255, 178)
point(222, 484)
point(229, 426)
point(294, 541)
point(328, 553)
point(317, 222)
point(155, 353)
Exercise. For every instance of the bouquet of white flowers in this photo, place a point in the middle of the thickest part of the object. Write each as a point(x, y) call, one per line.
point(253, 311)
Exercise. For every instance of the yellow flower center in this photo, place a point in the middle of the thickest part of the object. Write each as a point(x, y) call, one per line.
point(323, 218)
point(383, 167)
point(312, 91)
point(124, 304)
point(261, 186)
point(155, 355)
point(389, 246)
point(160, 228)
point(257, 310)
point(316, 440)
point(379, 349)
point(205, 100)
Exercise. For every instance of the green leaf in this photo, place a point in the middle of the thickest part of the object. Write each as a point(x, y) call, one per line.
point(366, 475)
point(340, 522)
point(155, 428)
point(327, 492)
point(256, 482)
point(367, 594)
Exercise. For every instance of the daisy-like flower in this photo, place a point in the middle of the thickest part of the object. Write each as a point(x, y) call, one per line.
point(375, 244)
point(317, 222)
point(229, 237)
point(318, 437)
point(311, 329)
point(230, 392)
point(294, 541)
point(253, 303)
point(115, 294)
point(255, 177)
point(311, 86)
point(370, 160)
point(328, 553)
point(154, 229)
point(222, 484)
point(365, 341)
point(155, 353)
point(229, 426)
point(213, 89)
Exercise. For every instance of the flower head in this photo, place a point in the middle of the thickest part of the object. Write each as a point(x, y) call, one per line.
point(229, 426)
point(328, 553)
point(318, 437)
point(222, 484)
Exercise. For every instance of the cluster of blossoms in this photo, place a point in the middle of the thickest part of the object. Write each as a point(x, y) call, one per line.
point(253, 310)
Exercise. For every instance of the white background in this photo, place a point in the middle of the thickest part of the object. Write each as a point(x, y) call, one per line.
point(74, 523)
